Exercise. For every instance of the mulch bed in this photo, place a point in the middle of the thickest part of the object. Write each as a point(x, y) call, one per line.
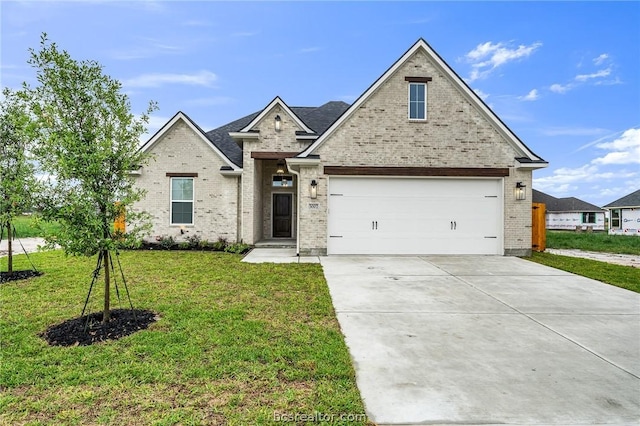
point(5, 277)
point(89, 329)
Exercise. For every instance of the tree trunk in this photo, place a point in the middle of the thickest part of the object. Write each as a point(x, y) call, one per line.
point(10, 247)
point(106, 313)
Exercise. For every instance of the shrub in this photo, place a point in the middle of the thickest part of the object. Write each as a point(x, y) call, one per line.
point(220, 245)
point(237, 248)
point(193, 241)
point(166, 242)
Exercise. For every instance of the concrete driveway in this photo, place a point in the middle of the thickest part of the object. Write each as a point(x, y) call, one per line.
point(487, 340)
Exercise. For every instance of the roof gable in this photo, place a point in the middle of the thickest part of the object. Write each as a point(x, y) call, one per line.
point(276, 102)
point(567, 204)
point(180, 116)
point(526, 157)
point(629, 200)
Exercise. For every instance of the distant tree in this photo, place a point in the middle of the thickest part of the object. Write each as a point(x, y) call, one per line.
point(88, 143)
point(17, 171)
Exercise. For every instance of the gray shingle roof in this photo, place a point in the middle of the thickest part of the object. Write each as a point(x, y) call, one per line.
point(317, 118)
point(568, 204)
point(630, 200)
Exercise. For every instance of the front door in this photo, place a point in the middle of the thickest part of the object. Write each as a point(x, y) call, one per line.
point(282, 215)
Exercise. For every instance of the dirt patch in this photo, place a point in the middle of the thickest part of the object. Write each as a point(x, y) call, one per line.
point(89, 329)
point(18, 275)
point(618, 259)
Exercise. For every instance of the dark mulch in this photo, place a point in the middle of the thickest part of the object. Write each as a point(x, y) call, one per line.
point(5, 277)
point(89, 329)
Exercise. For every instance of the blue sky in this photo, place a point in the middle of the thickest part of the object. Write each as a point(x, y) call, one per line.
point(564, 76)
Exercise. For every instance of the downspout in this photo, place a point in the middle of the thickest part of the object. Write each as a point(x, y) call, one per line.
point(298, 209)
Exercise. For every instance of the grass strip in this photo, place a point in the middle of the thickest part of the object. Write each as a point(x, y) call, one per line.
point(626, 277)
point(28, 226)
point(595, 241)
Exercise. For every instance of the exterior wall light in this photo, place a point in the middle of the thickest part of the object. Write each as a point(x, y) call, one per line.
point(313, 189)
point(521, 191)
point(280, 167)
point(278, 122)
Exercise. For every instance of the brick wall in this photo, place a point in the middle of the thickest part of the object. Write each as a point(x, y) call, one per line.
point(455, 134)
point(180, 150)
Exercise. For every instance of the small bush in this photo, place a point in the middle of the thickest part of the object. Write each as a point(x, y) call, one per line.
point(203, 244)
point(184, 245)
point(193, 241)
point(237, 248)
point(166, 242)
point(220, 245)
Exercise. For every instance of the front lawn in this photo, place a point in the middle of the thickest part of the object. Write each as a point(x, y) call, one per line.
point(235, 344)
point(595, 241)
point(621, 276)
point(31, 226)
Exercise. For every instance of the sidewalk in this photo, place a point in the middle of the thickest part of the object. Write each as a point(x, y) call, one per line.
point(29, 244)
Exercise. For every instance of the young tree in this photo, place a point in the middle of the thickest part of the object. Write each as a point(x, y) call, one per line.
point(88, 143)
point(17, 172)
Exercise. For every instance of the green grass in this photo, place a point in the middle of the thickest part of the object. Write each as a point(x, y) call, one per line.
point(235, 344)
point(31, 226)
point(620, 276)
point(620, 244)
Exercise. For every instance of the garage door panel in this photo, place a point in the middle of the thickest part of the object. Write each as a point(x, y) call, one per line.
point(414, 216)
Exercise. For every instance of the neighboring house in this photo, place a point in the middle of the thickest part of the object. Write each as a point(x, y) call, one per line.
point(570, 213)
point(418, 164)
point(624, 215)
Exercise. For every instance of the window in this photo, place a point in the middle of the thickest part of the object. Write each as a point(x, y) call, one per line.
point(417, 101)
point(282, 181)
point(615, 219)
point(589, 217)
point(181, 201)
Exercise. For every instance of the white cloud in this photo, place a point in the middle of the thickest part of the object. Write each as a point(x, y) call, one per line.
point(599, 77)
point(624, 150)
point(309, 49)
point(196, 23)
point(244, 34)
point(603, 171)
point(147, 48)
point(488, 56)
point(573, 131)
point(531, 96)
point(200, 78)
point(482, 94)
point(597, 74)
point(600, 59)
point(559, 88)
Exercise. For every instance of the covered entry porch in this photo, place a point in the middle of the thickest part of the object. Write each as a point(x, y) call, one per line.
point(274, 212)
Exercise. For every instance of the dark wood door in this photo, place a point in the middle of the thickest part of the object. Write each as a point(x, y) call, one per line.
point(282, 215)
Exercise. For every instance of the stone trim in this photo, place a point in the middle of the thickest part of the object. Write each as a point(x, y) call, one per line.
point(182, 174)
point(416, 171)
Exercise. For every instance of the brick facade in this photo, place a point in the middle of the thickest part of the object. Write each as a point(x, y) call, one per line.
point(181, 150)
point(458, 133)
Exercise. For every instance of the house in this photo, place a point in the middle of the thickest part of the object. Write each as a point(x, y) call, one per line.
point(624, 215)
point(418, 164)
point(570, 213)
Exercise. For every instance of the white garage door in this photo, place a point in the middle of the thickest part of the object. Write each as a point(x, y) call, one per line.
point(414, 216)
